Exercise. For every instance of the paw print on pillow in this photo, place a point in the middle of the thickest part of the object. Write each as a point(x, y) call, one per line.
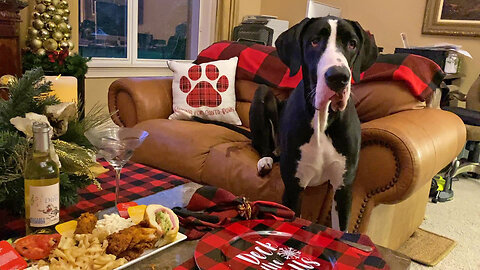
point(203, 93)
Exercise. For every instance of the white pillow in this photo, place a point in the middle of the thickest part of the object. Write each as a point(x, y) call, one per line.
point(206, 90)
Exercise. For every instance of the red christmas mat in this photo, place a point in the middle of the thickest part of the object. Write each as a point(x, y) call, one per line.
point(137, 181)
point(270, 244)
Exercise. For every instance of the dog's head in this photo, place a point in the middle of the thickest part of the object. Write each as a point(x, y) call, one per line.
point(330, 51)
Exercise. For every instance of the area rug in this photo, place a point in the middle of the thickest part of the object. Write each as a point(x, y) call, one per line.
point(426, 247)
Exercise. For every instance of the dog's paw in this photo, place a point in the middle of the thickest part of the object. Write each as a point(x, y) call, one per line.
point(264, 165)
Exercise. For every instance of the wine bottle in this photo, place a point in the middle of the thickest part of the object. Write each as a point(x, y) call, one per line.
point(42, 184)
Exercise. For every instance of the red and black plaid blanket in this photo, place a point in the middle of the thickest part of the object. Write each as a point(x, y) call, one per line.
point(212, 207)
point(137, 181)
point(295, 238)
point(257, 63)
point(421, 74)
point(262, 65)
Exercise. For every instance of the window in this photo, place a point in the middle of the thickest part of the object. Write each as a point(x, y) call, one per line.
point(123, 33)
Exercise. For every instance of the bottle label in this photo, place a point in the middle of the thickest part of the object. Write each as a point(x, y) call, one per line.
point(44, 205)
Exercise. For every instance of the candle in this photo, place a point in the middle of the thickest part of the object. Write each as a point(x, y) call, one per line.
point(64, 87)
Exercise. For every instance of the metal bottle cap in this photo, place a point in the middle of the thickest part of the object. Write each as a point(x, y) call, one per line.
point(41, 138)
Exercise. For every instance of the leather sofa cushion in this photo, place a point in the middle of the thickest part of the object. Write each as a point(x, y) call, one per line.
point(181, 147)
point(374, 100)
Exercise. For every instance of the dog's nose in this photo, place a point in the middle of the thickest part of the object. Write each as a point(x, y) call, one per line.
point(337, 78)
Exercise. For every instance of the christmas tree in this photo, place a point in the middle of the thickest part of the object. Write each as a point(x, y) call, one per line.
point(50, 30)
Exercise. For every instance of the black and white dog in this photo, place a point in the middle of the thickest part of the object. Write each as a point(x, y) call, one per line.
point(319, 130)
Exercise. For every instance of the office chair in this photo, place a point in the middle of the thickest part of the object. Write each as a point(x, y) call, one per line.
point(471, 118)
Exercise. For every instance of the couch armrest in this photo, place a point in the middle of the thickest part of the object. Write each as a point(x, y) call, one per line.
point(133, 100)
point(399, 154)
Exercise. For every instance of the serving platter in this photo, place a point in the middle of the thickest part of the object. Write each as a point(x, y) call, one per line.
point(180, 237)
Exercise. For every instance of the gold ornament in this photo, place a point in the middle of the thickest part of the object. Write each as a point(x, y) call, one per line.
point(63, 27)
point(36, 15)
point(41, 8)
point(70, 45)
point(32, 32)
point(39, 1)
point(69, 28)
point(65, 19)
point(41, 51)
point(57, 18)
point(45, 17)
point(47, 2)
point(6, 80)
point(36, 43)
point(57, 35)
point(55, 3)
point(60, 12)
point(38, 24)
point(50, 44)
point(66, 36)
point(44, 34)
point(51, 9)
point(51, 26)
point(70, 53)
point(66, 11)
point(64, 45)
point(63, 4)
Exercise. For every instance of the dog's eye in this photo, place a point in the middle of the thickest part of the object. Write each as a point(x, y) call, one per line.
point(314, 42)
point(352, 44)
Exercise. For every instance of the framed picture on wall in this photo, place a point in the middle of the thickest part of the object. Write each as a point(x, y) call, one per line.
point(452, 17)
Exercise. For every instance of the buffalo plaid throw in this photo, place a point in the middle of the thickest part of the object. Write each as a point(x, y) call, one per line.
point(258, 63)
point(137, 181)
point(212, 207)
point(242, 238)
point(421, 74)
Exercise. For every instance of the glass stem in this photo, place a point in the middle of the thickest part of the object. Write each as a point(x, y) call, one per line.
point(118, 173)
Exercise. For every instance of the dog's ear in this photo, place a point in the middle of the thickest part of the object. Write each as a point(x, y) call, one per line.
point(367, 51)
point(289, 46)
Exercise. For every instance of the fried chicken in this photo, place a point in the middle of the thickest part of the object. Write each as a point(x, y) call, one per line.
point(86, 223)
point(130, 243)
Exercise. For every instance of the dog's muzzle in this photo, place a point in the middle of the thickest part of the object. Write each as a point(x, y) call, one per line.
point(337, 79)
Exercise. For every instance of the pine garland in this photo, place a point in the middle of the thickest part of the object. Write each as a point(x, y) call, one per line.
point(32, 94)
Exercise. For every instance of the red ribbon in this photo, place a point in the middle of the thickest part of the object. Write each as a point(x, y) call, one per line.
point(58, 56)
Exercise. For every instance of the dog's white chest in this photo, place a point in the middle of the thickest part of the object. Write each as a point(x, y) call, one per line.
point(319, 161)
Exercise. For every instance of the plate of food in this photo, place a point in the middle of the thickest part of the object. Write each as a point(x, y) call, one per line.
point(112, 242)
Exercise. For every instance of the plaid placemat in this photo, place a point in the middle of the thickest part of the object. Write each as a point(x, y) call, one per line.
point(291, 248)
point(137, 181)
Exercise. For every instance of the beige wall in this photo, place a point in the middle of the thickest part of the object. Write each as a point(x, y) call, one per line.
point(386, 20)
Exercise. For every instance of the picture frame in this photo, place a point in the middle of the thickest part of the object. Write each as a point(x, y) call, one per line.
point(452, 17)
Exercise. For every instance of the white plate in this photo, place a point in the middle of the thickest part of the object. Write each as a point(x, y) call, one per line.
point(149, 252)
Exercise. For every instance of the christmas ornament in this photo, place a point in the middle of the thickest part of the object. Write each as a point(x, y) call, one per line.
point(5, 80)
point(57, 18)
point(70, 45)
point(36, 15)
point(51, 26)
point(50, 44)
point(32, 32)
point(57, 35)
point(39, 1)
point(51, 9)
point(60, 12)
point(41, 51)
point(38, 24)
point(45, 17)
point(44, 34)
point(64, 45)
point(47, 2)
point(63, 4)
point(66, 36)
point(55, 3)
point(36, 43)
point(66, 11)
point(65, 18)
point(41, 8)
point(63, 27)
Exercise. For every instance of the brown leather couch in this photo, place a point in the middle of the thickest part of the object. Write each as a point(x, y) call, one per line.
point(404, 145)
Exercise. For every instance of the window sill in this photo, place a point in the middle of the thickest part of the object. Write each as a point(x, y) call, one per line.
point(119, 72)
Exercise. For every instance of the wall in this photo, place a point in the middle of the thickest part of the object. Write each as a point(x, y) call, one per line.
point(386, 20)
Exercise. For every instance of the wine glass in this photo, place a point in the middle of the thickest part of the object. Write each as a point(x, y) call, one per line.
point(116, 145)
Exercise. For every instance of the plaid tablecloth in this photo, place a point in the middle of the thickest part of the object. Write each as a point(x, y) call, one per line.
point(209, 249)
point(137, 181)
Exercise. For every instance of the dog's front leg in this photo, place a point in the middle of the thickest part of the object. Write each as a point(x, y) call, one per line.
point(341, 206)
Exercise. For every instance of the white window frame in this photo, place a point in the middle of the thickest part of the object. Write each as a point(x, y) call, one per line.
point(132, 66)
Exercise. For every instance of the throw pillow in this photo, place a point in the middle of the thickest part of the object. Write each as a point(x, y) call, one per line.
point(206, 91)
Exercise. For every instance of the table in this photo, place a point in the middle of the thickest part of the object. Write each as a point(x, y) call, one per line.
point(179, 253)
